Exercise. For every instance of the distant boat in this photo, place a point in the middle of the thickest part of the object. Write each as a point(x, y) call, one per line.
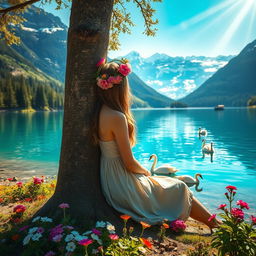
point(219, 107)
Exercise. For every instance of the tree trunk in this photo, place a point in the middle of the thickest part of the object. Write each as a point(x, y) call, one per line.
point(78, 180)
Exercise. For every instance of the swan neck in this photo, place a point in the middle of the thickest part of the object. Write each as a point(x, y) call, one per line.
point(154, 163)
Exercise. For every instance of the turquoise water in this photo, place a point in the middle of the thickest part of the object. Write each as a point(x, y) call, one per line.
point(30, 145)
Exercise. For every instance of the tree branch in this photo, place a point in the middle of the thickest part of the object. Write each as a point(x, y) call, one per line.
point(17, 6)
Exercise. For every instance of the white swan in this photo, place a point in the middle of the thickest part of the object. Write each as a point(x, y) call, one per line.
point(162, 170)
point(190, 181)
point(207, 148)
point(202, 132)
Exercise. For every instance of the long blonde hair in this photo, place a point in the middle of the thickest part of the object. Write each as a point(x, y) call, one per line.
point(117, 98)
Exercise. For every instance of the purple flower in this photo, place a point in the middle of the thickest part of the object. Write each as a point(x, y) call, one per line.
point(24, 228)
point(96, 232)
point(178, 225)
point(64, 205)
point(50, 253)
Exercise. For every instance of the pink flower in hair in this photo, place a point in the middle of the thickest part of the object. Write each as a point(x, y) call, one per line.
point(125, 69)
point(101, 62)
point(115, 79)
point(104, 84)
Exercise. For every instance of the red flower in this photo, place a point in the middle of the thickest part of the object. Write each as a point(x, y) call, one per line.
point(145, 225)
point(101, 62)
point(231, 188)
point(213, 217)
point(113, 236)
point(146, 242)
point(165, 225)
point(237, 213)
point(178, 225)
point(10, 179)
point(253, 218)
point(16, 220)
point(222, 206)
point(242, 204)
point(19, 208)
point(37, 181)
point(1, 200)
point(125, 69)
point(85, 242)
point(28, 199)
point(19, 184)
point(125, 217)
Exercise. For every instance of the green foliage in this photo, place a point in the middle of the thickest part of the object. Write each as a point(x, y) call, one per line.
point(177, 104)
point(251, 101)
point(21, 93)
point(125, 246)
point(121, 18)
point(234, 237)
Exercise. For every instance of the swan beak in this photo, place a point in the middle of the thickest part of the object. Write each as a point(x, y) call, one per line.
point(201, 177)
point(150, 158)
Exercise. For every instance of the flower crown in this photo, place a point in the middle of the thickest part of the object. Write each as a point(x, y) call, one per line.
point(105, 81)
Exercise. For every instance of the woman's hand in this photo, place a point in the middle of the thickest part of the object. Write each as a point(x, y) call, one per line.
point(147, 173)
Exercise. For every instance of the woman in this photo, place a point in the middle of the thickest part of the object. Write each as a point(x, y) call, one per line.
point(128, 186)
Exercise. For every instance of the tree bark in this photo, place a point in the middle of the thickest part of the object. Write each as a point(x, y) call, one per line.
point(78, 181)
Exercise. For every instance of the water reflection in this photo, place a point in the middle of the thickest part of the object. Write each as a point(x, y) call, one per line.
point(31, 143)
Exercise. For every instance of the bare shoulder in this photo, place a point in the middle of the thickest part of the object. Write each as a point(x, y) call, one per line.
point(113, 115)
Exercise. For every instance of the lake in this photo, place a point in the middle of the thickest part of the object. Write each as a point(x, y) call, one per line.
point(30, 145)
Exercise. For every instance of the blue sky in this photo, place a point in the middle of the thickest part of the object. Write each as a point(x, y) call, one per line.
point(189, 27)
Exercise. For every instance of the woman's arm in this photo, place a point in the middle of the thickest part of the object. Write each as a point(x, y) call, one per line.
point(120, 131)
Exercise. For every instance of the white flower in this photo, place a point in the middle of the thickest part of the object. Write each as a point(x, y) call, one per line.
point(87, 232)
point(36, 236)
point(70, 247)
point(69, 238)
point(27, 239)
point(111, 229)
point(100, 224)
point(36, 219)
point(142, 249)
point(46, 219)
point(32, 230)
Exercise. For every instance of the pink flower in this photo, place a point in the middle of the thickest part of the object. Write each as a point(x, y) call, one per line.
point(50, 253)
point(19, 208)
point(56, 231)
point(237, 213)
point(178, 225)
point(40, 230)
point(19, 184)
point(113, 236)
point(213, 217)
point(96, 232)
point(231, 188)
point(253, 218)
point(125, 69)
point(68, 227)
point(101, 62)
point(85, 242)
point(222, 206)
point(104, 84)
point(64, 205)
point(115, 79)
point(242, 204)
point(24, 228)
point(57, 238)
point(37, 181)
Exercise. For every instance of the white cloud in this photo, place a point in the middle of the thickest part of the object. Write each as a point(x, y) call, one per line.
point(169, 89)
point(210, 70)
point(174, 80)
point(51, 30)
point(189, 85)
point(29, 29)
point(154, 82)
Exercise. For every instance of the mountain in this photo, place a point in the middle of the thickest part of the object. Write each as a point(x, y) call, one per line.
point(43, 45)
point(232, 85)
point(175, 77)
